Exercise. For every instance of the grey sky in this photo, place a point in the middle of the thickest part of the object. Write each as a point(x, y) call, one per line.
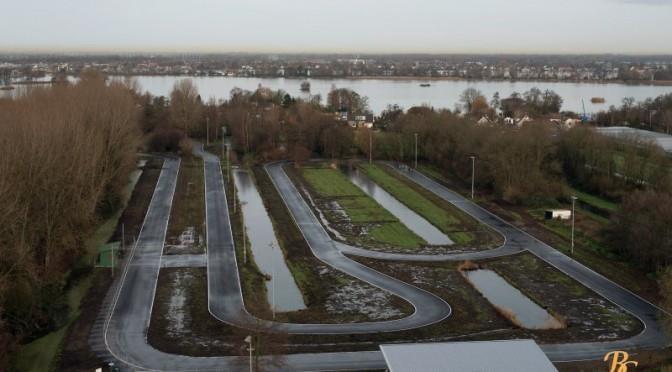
point(471, 26)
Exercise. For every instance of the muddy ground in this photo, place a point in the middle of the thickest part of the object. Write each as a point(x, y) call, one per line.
point(186, 228)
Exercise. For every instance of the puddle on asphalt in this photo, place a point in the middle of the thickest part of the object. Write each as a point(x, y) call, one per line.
point(510, 301)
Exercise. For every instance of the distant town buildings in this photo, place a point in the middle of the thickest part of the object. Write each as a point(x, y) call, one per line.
point(562, 68)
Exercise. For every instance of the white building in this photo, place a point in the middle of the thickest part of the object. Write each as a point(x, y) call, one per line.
point(482, 356)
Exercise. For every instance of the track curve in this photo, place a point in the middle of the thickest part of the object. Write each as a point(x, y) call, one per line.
point(125, 331)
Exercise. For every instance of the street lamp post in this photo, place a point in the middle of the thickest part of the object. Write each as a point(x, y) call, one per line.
point(473, 175)
point(573, 208)
point(273, 280)
point(228, 162)
point(416, 150)
point(248, 341)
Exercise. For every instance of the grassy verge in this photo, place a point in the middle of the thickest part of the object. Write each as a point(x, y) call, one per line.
point(594, 200)
point(68, 346)
point(373, 222)
point(188, 211)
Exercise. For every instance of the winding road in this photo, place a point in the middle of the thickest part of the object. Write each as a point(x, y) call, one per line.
point(125, 329)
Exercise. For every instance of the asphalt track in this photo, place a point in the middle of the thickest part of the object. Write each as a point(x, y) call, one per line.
point(125, 330)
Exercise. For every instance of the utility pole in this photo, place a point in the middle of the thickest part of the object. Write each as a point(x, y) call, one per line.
point(416, 150)
point(473, 175)
point(573, 205)
point(207, 131)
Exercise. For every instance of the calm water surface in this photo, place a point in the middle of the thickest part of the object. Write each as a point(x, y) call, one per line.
point(501, 294)
point(412, 220)
point(261, 236)
point(408, 93)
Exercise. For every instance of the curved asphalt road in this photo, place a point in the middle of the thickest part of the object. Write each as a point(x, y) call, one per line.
point(225, 299)
point(125, 332)
point(653, 335)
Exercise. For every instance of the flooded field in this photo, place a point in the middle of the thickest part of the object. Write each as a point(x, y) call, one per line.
point(511, 302)
point(281, 288)
point(412, 220)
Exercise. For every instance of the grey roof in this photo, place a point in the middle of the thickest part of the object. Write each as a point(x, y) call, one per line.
point(661, 139)
point(477, 356)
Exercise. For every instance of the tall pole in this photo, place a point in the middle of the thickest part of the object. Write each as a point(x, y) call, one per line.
point(207, 131)
point(248, 340)
point(416, 150)
point(573, 205)
point(273, 279)
point(473, 175)
point(228, 162)
point(370, 147)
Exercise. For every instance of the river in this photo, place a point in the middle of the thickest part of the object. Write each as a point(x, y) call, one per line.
point(408, 93)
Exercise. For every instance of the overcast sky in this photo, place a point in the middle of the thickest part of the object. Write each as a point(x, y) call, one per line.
point(428, 26)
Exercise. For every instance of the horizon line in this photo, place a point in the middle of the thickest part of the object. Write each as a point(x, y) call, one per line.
point(103, 52)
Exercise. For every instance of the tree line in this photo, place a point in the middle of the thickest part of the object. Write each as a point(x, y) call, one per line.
point(65, 155)
point(653, 113)
point(530, 164)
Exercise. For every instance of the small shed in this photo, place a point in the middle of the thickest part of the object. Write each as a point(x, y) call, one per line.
point(559, 214)
point(481, 356)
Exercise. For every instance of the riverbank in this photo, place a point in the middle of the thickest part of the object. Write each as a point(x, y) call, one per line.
point(415, 78)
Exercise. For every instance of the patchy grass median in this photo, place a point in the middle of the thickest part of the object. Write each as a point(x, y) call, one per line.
point(356, 215)
point(186, 228)
point(461, 228)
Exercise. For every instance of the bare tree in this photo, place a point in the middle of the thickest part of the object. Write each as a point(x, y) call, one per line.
point(185, 105)
point(468, 97)
point(65, 156)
